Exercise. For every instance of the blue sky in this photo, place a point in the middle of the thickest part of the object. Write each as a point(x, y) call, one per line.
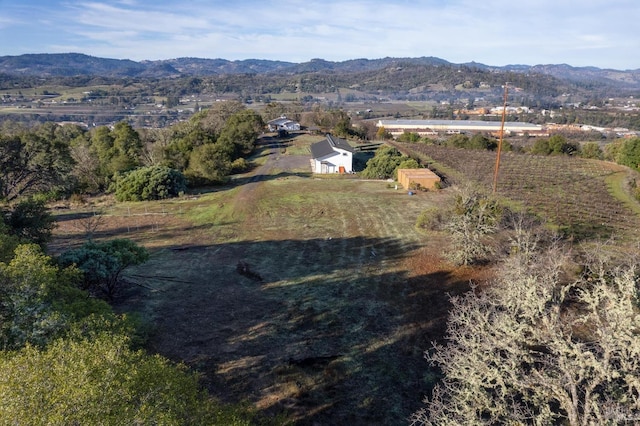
point(602, 33)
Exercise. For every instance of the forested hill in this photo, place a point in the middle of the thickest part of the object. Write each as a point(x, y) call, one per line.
point(75, 64)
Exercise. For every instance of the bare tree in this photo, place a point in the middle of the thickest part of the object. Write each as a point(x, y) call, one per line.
point(90, 223)
point(542, 346)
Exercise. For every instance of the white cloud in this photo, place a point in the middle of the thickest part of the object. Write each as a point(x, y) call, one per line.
point(496, 32)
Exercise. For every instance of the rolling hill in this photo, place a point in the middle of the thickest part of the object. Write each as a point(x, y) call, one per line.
point(75, 64)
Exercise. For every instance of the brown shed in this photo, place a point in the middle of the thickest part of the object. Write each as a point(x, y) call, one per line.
point(423, 177)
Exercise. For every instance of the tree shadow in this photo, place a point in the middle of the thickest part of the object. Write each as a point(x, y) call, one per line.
point(333, 332)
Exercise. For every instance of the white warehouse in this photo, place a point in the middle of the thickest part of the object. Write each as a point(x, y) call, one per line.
point(430, 127)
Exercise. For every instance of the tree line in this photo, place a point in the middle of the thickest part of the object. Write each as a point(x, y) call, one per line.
point(63, 160)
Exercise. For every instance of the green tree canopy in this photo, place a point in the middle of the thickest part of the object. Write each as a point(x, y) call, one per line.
point(103, 381)
point(103, 263)
point(591, 150)
point(554, 145)
point(148, 183)
point(629, 154)
point(31, 221)
point(117, 150)
point(384, 163)
point(409, 137)
point(457, 141)
point(31, 164)
point(240, 132)
point(210, 163)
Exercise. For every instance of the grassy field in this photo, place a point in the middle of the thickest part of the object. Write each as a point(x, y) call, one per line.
point(316, 297)
point(312, 297)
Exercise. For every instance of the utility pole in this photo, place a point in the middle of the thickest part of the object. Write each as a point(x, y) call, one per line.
point(504, 114)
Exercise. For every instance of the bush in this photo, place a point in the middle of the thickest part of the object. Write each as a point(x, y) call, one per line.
point(103, 263)
point(430, 219)
point(472, 222)
point(102, 381)
point(591, 150)
point(629, 154)
point(149, 183)
point(31, 221)
point(240, 165)
point(409, 137)
point(384, 163)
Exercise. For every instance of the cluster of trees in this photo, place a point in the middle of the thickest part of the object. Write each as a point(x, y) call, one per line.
point(621, 151)
point(65, 356)
point(60, 160)
point(555, 145)
point(552, 340)
point(476, 141)
point(625, 152)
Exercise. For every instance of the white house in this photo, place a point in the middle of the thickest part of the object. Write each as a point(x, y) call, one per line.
point(283, 123)
point(331, 155)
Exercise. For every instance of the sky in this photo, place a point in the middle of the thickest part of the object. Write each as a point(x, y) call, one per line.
point(601, 33)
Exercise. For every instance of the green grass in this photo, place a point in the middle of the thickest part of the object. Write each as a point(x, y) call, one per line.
point(214, 209)
point(618, 186)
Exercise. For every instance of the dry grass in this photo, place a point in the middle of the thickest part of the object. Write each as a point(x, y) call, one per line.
point(336, 299)
point(343, 297)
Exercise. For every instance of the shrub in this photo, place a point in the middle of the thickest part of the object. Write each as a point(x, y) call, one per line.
point(629, 154)
point(591, 150)
point(430, 219)
point(103, 263)
point(240, 165)
point(384, 163)
point(149, 183)
point(409, 137)
point(473, 220)
point(102, 381)
point(31, 221)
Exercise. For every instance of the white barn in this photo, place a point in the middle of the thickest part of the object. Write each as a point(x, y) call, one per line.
point(331, 155)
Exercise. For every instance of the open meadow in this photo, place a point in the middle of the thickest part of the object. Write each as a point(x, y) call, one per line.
point(315, 297)
point(312, 297)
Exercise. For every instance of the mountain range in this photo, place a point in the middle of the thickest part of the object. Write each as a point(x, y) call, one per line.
point(77, 64)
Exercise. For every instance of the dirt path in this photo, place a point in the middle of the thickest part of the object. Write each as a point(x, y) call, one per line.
point(285, 164)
